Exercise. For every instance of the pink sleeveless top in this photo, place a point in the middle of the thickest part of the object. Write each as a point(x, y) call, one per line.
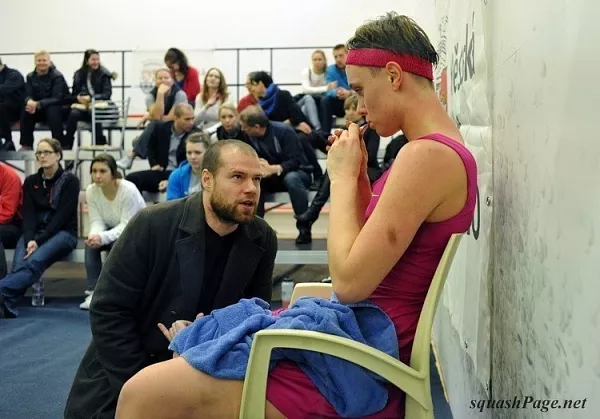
point(401, 295)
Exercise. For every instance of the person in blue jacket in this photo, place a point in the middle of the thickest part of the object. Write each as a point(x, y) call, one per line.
point(186, 179)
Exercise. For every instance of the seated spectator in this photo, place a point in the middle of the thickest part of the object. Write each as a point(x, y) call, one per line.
point(185, 76)
point(214, 94)
point(46, 92)
point(285, 167)
point(91, 80)
point(111, 203)
point(392, 150)
point(186, 179)
point(160, 102)
point(371, 139)
point(384, 246)
point(230, 128)
point(50, 200)
point(11, 200)
point(277, 104)
point(314, 87)
point(172, 263)
point(333, 101)
point(249, 99)
point(166, 149)
point(12, 97)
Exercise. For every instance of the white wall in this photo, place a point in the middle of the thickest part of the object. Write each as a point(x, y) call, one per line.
point(152, 26)
point(545, 329)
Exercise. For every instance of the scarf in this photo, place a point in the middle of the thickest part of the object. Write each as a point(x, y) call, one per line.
point(269, 102)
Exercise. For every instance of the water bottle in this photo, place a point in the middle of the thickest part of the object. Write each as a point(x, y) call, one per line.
point(287, 288)
point(37, 299)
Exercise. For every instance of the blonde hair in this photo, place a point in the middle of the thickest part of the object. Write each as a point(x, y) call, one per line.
point(229, 107)
point(40, 53)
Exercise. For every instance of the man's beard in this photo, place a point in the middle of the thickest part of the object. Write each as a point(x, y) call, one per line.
point(229, 213)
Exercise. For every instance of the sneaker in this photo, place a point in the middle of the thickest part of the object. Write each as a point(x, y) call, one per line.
point(88, 292)
point(86, 303)
point(125, 163)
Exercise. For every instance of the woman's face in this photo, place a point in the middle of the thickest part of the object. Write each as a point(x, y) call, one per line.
point(101, 174)
point(94, 61)
point(164, 77)
point(318, 61)
point(46, 156)
point(228, 119)
point(213, 79)
point(174, 67)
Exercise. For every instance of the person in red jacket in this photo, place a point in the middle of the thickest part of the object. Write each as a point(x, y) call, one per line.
point(186, 76)
point(11, 200)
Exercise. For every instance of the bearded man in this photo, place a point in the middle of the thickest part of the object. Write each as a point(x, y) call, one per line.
point(175, 261)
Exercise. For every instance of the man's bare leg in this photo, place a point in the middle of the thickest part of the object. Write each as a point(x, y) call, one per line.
point(175, 390)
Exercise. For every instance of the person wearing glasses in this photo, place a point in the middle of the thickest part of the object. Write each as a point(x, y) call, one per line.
point(50, 199)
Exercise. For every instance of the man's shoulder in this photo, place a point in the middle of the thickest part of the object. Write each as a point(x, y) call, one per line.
point(261, 225)
point(280, 127)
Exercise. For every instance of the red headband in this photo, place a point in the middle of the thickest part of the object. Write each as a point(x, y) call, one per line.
point(372, 57)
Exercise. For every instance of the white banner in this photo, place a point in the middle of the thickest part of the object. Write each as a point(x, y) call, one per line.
point(462, 83)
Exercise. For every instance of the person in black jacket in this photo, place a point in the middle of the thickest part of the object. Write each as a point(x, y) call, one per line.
point(166, 149)
point(50, 199)
point(92, 79)
point(12, 96)
point(174, 261)
point(285, 165)
point(46, 92)
point(229, 128)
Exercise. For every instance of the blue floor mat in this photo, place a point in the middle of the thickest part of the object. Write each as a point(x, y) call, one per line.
point(40, 352)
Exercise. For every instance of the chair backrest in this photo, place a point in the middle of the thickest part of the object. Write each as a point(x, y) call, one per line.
point(419, 359)
point(111, 114)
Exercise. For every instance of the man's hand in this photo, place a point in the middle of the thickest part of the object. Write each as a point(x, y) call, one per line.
point(268, 169)
point(158, 168)
point(84, 99)
point(176, 327)
point(31, 106)
point(94, 241)
point(162, 89)
point(162, 186)
point(304, 127)
point(32, 246)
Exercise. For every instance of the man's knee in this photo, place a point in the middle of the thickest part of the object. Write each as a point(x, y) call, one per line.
point(294, 180)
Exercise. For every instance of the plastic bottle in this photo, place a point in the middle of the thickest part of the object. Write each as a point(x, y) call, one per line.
point(287, 288)
point(37, 298)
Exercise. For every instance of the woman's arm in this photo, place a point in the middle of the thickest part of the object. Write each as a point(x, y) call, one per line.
point(307, 87)
point(130, 206)
point(359, 258)
point(97, 224)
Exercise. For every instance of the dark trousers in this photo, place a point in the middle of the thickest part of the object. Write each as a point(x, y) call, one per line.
point(75, 116)
point(141, 143)
point(148, 180)
point(328, 107)
point(9, 114)
point(295, 183)
point(9, 236)
point(51, 116)
point(93, 264)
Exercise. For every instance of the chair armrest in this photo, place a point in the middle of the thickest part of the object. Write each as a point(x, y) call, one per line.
point(255, 383)
point(311, 289)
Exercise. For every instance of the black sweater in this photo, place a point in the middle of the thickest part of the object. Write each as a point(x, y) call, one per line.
point(40, 220)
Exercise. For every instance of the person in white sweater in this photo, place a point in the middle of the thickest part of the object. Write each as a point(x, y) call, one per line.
point(313, 86)
point(214, 94)
point(111, 202)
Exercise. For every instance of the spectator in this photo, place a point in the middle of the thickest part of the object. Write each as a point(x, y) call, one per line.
point(285, 167)
point(50, 199)
point(249, 99)
point(230, 128)
point(314, 87)
point(46, 92)
point(166, 149)
point(277, 104)
point(333, 102)
point(186, 179)
point(11, 200)
point(160, 102)
point(111, 202)
point(214, 94)
point(91, 80)
point(12, 97)
point(185, 76)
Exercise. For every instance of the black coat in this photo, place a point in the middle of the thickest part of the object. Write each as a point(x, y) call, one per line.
point(160, 141)
point(12, 88)
point(101, 81)
point(47, 89)
point(154, 275)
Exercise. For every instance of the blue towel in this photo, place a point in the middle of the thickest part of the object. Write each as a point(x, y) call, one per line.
point(219, 345)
